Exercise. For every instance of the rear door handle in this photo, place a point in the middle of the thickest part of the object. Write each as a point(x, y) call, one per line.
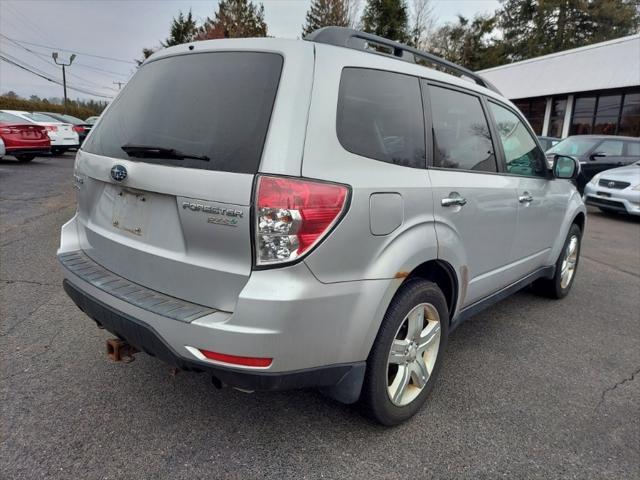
point(453, 200)
point(525, 198)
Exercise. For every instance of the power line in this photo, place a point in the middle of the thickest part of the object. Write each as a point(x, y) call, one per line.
point(71, 51)
point(45, 59)
point(57, 82)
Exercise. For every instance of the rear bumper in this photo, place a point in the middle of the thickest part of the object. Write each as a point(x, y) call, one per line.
point(27, 150)
point(343, 381)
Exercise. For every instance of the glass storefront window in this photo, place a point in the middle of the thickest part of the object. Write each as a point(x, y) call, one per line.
point(533, 109)
point(607, 114)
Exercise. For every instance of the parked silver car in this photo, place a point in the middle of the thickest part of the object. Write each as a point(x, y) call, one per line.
point(318, 213)
point(615, 190)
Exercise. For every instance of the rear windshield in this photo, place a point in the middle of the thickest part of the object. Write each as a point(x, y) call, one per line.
point(214, 105)
point(39, 117)
point(9, 118)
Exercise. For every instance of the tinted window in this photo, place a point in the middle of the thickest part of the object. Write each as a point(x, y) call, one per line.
point(633, 149)
point(522, 154)
point(461, 133)
point(380, 116)
point(216, 105)
point(573, 146)
point(611, 147)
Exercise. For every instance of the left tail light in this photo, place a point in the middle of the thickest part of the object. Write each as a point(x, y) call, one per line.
point(293, 216)
point(51, 128)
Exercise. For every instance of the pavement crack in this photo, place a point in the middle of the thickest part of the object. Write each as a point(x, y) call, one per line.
point(28, 282)
point(618, 269)
point(618, 384)
point(22, 320)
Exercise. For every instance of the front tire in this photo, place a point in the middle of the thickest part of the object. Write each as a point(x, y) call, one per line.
point(566, 267)
point(407, 354)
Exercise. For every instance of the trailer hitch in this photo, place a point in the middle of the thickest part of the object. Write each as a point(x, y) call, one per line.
point(120, 350)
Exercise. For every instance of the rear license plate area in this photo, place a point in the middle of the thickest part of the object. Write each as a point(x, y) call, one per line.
point(131, 211)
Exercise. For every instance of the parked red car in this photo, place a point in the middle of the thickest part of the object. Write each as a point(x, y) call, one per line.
point(21, 139)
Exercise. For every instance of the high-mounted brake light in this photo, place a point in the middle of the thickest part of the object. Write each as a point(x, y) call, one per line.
point(294, 215)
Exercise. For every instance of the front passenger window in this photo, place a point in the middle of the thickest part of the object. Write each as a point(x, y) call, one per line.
point(522, 154)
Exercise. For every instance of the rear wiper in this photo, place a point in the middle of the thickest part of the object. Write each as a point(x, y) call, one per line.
point(144, 151)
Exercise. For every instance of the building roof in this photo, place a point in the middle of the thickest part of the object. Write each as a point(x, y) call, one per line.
point(611, 64)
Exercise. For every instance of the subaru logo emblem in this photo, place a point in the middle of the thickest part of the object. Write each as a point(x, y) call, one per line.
point(118, 173)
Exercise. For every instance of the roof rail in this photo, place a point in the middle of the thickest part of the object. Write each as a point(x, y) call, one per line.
point(367, 42)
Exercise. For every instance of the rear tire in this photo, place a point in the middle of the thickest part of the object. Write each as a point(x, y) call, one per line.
point(566, 268)
point(398, 381)
point(24, 158)
point(58, 151)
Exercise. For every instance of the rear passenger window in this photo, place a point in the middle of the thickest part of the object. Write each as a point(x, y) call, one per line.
point(610, 147)
point(461, 134)
point(633, 149)
point(380, 116)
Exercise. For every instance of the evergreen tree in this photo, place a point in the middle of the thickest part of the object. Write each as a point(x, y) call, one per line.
point(235, 19)
point(469, 43)
point(537, 27)
point(183, 30)
point(146, 53)
point(387, 18)
point(325, 13)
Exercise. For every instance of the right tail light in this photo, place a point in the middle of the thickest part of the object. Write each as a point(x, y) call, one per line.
point(293, 216)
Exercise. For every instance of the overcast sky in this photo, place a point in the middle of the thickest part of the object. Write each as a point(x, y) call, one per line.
point(119, 29)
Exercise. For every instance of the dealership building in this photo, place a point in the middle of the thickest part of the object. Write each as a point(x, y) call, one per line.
point(592, 89)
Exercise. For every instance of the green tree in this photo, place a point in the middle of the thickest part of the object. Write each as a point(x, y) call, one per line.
point(387, 18)
point(235, 19)
point(469, 42)
point(183, 30)
point(537, 27)
point(146, 53)
point(325, 13)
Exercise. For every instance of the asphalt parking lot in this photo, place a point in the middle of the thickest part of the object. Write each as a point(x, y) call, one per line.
point(531, 388)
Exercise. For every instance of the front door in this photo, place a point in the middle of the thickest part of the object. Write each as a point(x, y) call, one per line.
point(541, 200)
point(475, 207)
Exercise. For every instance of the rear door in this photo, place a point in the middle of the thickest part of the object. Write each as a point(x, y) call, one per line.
point(475, 207)
point(171, 210)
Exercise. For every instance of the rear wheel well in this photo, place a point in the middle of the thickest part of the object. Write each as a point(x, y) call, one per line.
point(443, 275)
point(579, 221)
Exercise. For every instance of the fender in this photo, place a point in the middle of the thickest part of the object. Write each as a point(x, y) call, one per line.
point(575, 206)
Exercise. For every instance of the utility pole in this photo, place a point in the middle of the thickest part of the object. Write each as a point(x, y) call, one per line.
point(64, 74)
point(119, 84)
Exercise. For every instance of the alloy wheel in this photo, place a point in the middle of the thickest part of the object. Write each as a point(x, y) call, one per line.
point(413, 354)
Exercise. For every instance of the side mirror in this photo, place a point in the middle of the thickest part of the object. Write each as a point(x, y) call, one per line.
point(565, 167)
point(596, 155)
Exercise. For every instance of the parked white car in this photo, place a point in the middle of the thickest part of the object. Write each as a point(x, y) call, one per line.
point(62, 135)
point(2, 149)
point(615, 190)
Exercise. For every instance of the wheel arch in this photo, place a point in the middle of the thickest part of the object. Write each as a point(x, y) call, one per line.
point(580, 220)
point(442, 274)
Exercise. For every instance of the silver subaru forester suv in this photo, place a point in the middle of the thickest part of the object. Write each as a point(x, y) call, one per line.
point(312, 213)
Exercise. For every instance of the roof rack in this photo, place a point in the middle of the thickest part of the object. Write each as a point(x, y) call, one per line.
point(367, 42)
